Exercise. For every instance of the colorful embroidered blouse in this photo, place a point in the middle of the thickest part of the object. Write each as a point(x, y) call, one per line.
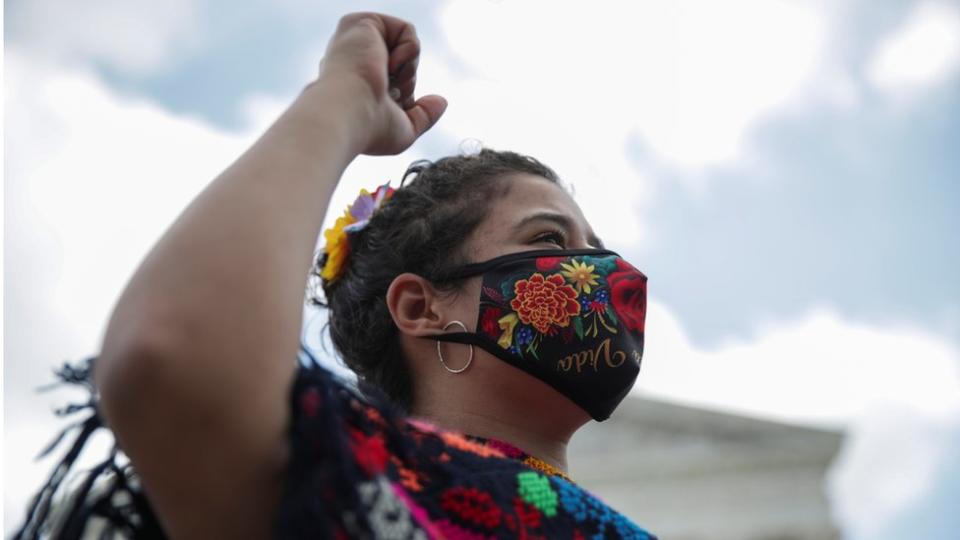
point(360, 469)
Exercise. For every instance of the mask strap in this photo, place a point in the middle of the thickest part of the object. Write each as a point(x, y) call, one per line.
point(466, 338)
point(473, 269)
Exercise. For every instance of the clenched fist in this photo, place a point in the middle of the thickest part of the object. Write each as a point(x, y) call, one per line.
point(371, 66)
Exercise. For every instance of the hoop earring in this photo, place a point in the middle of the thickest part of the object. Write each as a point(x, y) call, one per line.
point(440, 355)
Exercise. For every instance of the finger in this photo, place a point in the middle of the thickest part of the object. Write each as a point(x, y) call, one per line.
point(400, 37)
point(405, 71)
point(403, 44)
point(406, 90)
point(425, 113)
point(404, 93)
point(404, 102)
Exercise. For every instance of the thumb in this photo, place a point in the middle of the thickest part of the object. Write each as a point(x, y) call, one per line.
point(425, 112)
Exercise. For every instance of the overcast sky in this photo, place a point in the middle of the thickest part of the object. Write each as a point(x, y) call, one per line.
point(785, 172)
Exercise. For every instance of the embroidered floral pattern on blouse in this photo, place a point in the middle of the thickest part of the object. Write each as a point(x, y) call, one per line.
point(405, 478)
point(360, 469)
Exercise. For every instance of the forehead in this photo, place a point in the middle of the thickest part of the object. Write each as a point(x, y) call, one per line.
point(523, 192)
point(521, 195)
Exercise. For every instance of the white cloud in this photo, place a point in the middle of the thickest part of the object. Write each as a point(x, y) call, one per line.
point(922, 51)
point(92, 180)
point(898, 458)
point(104, 174)
point(691, 77)
point(819, 369)
point(575, 86)
point(894, 390)
point(135, 36)
point(585, 156)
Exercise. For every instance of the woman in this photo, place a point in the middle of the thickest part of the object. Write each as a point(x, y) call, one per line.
point(484, 318)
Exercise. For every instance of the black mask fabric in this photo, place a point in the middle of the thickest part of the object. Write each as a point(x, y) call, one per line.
point(571, 318)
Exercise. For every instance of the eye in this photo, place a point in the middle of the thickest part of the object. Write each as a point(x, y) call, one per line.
point(555, 237)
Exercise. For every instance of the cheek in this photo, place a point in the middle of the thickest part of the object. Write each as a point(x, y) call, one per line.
point(466, 305)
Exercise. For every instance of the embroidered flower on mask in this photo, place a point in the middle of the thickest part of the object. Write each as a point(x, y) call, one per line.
point(580, 275)
point(507, 323)
point(488, 322)
point(524, 335)
point(545, 264)
point(628, 293)
point(545, 301)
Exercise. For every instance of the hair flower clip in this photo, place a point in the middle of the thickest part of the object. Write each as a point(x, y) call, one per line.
point(354, 218)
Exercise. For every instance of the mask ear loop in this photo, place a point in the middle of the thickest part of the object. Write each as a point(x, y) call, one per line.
point(440, 355)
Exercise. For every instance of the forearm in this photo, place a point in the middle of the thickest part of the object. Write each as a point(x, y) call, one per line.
point(227, 278)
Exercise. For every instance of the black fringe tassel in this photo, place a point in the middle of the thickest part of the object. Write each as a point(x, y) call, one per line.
point(108, 502)
point(319, 498)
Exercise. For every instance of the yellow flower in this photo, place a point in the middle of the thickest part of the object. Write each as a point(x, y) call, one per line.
point(580, 275)
point(337, 247)
point(507, 323)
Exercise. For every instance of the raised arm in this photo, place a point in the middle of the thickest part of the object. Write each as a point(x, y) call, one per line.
point(200, 350)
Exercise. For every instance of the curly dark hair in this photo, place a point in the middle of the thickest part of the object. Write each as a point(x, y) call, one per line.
point(420, 229)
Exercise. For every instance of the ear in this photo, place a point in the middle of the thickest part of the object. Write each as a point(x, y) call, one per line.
point(414, 305)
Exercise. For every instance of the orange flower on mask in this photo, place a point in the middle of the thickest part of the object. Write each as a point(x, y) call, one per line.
point(545, 301)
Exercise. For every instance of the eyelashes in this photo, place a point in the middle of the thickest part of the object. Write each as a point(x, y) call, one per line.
point(554, 236)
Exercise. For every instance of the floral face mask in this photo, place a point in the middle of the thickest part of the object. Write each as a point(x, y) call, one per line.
point(571, 318)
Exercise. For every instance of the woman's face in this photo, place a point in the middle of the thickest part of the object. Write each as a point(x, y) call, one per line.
point(530, 213)
point(534, 213)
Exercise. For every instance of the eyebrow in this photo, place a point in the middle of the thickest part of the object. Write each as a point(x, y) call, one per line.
point(560, 220)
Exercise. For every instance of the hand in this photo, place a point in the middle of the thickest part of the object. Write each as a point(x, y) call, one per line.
point(369, 55)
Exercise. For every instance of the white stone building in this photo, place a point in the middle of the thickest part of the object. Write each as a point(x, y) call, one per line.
point(692, 474)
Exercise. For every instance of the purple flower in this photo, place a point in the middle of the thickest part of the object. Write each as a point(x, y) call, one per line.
point(366, 204)
point(363, 207)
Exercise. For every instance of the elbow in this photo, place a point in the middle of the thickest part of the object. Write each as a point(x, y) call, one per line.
point(129, 374)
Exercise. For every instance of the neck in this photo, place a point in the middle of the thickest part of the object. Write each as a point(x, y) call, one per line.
point(534, 426)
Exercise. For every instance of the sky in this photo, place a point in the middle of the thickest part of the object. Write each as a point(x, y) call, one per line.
point(784, 172)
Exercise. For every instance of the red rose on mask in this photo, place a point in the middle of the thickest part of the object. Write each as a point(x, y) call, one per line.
point(628, 294)
point(545, 264)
